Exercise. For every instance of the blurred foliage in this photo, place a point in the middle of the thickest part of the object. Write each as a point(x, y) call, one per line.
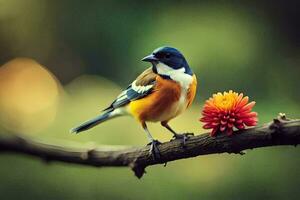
point(249, 47)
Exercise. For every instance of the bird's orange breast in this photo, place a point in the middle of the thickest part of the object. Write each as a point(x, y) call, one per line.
point(192, 91)
point(161, 103)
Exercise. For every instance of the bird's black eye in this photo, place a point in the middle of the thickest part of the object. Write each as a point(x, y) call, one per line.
point(159, 55)
point(162, 55)
point(167, 55)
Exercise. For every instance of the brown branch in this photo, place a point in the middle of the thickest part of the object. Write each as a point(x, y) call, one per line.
point(279, 132)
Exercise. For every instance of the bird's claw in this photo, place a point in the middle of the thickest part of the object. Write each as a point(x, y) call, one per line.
point(154, 151)
point(183, 137)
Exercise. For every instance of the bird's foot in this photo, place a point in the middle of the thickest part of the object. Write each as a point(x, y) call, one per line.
point(154, 151)
point(183, 137)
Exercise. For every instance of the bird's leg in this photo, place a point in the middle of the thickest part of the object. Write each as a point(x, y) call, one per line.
point(154, 151)
point(182, 137)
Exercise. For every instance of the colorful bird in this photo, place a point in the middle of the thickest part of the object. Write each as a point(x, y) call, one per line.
point(159, 94)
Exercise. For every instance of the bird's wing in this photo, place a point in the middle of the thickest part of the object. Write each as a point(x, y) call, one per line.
point(139, 88)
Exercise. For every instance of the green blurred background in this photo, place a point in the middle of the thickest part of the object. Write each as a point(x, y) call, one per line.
point(70, 59)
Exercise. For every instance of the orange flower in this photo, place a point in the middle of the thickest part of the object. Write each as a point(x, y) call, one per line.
point(223, 112)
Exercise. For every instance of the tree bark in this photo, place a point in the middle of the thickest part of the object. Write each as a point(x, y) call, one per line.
point(280, 131)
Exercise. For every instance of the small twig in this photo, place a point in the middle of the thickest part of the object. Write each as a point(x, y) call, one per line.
point(281, 131)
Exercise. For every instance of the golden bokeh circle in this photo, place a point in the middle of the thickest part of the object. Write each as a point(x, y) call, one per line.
point(29, 96)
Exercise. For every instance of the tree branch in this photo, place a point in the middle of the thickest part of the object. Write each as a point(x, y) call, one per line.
point(281, 131)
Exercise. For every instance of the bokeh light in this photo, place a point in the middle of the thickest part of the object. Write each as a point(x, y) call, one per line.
point(29, 96)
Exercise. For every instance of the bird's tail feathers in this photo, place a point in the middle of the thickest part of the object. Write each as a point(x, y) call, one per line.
point(95, 121)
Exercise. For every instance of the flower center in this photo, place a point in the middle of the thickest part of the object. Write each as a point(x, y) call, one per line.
point(225, 101)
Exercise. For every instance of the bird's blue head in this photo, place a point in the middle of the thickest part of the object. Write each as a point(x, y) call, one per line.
point(169, 58)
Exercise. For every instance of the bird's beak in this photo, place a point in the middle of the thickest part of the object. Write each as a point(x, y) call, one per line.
point(150, 58)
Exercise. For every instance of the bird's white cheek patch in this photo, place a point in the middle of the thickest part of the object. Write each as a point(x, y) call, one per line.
point(177, 75)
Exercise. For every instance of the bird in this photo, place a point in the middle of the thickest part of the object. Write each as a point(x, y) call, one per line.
point(159, 94)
